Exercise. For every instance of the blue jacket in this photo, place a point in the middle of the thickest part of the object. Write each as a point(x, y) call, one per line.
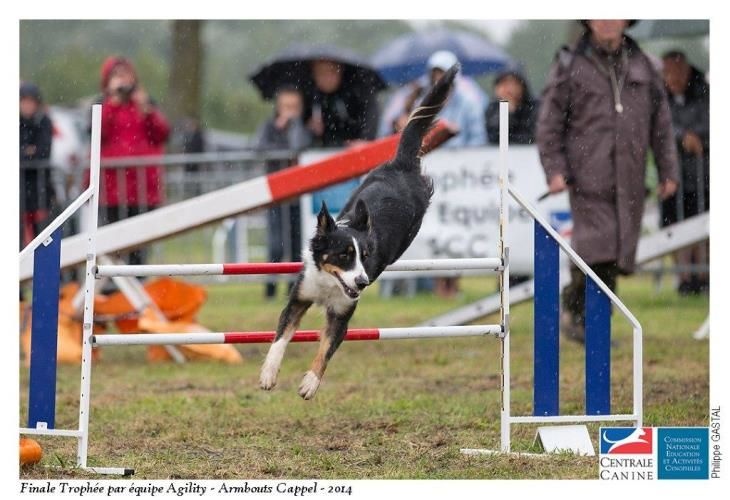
point(465, 109)
point(469, 117)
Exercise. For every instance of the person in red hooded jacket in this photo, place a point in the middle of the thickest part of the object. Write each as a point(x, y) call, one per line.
point(131, 125)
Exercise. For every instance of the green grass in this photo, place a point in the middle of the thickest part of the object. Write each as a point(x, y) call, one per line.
point(385, 410)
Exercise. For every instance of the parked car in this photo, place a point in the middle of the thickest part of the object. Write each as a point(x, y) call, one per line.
point(69, 150)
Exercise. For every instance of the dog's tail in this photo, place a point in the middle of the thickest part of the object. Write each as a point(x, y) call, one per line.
point(422, 117)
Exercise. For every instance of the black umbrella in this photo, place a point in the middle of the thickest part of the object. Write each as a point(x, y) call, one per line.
point(292, 67)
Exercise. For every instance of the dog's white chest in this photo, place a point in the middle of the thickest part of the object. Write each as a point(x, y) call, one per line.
point(322, 289)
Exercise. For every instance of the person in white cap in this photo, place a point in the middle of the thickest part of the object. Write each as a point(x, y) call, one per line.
point(464, 109)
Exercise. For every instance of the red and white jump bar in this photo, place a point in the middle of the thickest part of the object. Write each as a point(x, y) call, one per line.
point(485, 264)
point(419, 332)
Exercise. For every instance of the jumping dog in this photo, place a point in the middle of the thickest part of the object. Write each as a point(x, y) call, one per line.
point(375, 227)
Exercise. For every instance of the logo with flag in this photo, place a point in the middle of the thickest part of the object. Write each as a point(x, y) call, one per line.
point(562, 222)
point(627, 440)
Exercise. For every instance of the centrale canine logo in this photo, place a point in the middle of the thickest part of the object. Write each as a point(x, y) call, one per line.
point(626, 440)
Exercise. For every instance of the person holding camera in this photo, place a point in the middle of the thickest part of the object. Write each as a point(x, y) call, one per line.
point(131, 125)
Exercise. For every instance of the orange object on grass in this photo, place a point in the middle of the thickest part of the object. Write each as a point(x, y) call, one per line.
point(178, 301)
point(30, 451)
point(148, 322)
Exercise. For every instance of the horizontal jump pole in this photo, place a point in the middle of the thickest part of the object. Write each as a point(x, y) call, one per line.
point(300, 336)
point(486, 264)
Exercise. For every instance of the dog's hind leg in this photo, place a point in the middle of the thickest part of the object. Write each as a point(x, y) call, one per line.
point(330, 339)
point(288, 324)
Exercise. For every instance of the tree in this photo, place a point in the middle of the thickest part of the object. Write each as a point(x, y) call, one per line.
point(535, 43)
point(186, 64)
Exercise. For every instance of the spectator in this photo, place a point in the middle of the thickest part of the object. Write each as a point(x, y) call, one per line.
point(132, 125)
point(464, 109)
point(37, 196)
point(336, 114)
point(603, 106)
point(285, 130)
point(193, 142)
point(689, 102)
point(512, 87)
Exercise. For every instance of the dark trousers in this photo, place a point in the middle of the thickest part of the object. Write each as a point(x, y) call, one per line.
point(284, 237)
point(109, 214)
point(574, 295)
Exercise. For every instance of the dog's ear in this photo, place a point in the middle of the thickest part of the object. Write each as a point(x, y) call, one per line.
point(361, 220)
point(325, 222)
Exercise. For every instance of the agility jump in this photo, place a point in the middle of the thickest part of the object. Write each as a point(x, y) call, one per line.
point(47, 263)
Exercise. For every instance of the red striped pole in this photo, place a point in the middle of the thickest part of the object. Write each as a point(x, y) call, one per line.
point(487, 265)
point(300, 336)
point(262, 337)
point(263, 268)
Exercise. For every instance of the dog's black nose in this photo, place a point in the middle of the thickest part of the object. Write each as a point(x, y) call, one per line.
point(361, 282)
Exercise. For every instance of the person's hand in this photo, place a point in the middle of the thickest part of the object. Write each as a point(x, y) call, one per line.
point(30, 150)
point(557, 184)
point(281, 122)
point(283, 118)
point(400, 122)
point(666, 189)
point(692, 143)
point(141, 99)
point(316, 125)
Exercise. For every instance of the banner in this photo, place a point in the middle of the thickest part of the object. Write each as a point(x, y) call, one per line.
point(462, 221)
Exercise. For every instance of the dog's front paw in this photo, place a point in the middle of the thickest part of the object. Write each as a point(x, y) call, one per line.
point(268, 376)
point(310, 384)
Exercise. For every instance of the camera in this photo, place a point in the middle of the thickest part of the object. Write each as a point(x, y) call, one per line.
point(125, 91)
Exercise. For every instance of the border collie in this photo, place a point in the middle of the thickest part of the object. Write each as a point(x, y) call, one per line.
point(375, 227)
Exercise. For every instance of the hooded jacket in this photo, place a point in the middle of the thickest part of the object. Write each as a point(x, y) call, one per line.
point(35, 174)
point(522, 122)
point(127, 131)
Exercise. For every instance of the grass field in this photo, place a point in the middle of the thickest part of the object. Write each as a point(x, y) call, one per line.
point(385, 410)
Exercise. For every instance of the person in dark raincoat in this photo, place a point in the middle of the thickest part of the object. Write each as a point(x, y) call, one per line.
point(603, 107)
point(36, 132)
point(336, 113)
point(512, 87)
point(689, 101)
